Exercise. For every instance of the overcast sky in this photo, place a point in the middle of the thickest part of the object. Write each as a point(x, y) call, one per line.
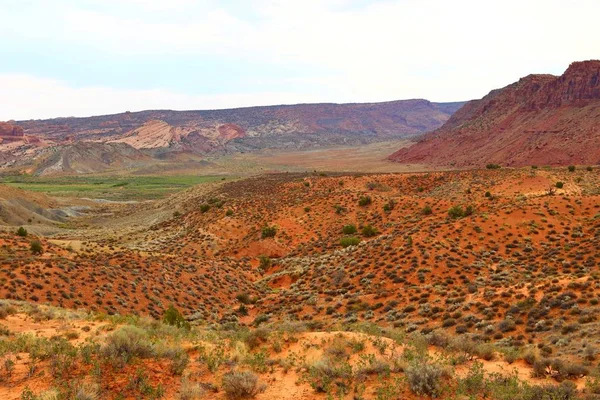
point(90, 57)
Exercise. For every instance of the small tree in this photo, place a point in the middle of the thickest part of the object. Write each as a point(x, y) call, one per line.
point(36, 247)
point(22, 232)
point(173, 317)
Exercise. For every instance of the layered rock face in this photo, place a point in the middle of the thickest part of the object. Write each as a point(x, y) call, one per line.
point(10, 132)
point(541, 119)
point(252, 127)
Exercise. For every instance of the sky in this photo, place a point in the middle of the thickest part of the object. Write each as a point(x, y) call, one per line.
point(91, 57)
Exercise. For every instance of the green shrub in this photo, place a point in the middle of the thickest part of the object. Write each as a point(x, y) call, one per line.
point(268, 231)
point(21, 232)
point(204, 208)
point(427, 210)
point(368, 231)
point(173, 317)
point(389, 206)
point(36, 247)
point(560, 185)
point(571, 168)
point(265, 262)
point(349, 241)
point(349, 229)
point(456, 212)
point(229, 213)
point(493, 166)
point(364, 201)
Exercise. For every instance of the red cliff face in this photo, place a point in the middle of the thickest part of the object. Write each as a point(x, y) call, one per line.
point(10, 131)
point(541, 119)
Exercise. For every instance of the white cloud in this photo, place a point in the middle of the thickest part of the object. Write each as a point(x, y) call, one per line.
point(437, 49)
point(36, 98)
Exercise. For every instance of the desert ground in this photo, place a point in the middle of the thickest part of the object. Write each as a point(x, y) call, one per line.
point(469, 284)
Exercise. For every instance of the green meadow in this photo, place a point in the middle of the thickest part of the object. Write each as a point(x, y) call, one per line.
point(117, 188)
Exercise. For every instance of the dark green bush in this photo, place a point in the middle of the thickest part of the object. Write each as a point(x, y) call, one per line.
point(36, 247)
point(369, 231)
point(364, 201)
point(268, 232)
point(349, 229)
point(173, 317)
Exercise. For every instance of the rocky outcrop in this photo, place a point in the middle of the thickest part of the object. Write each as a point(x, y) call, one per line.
point(541, 119)
point(10, 132)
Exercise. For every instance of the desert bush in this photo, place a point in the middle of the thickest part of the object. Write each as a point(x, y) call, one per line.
point(493, 166)
point(349, 229)
point(324, 376)
point(426, 210)
point(189, 390)
point(179, 359)
point(559, 185)
point(36, 247)
point(86, 391)
point(571, 168)
point(173, 317)
point(244, 298)
point(268, 231)
point(364, 201)
point(425, 378)
point(242, 385)
point(204, 208)
point(389, 206)
point(456, 212)
point(368, 231)
point(21, 232)
point(265, 263)
point(126, 343)
point(485, 351)
point(349, 241)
